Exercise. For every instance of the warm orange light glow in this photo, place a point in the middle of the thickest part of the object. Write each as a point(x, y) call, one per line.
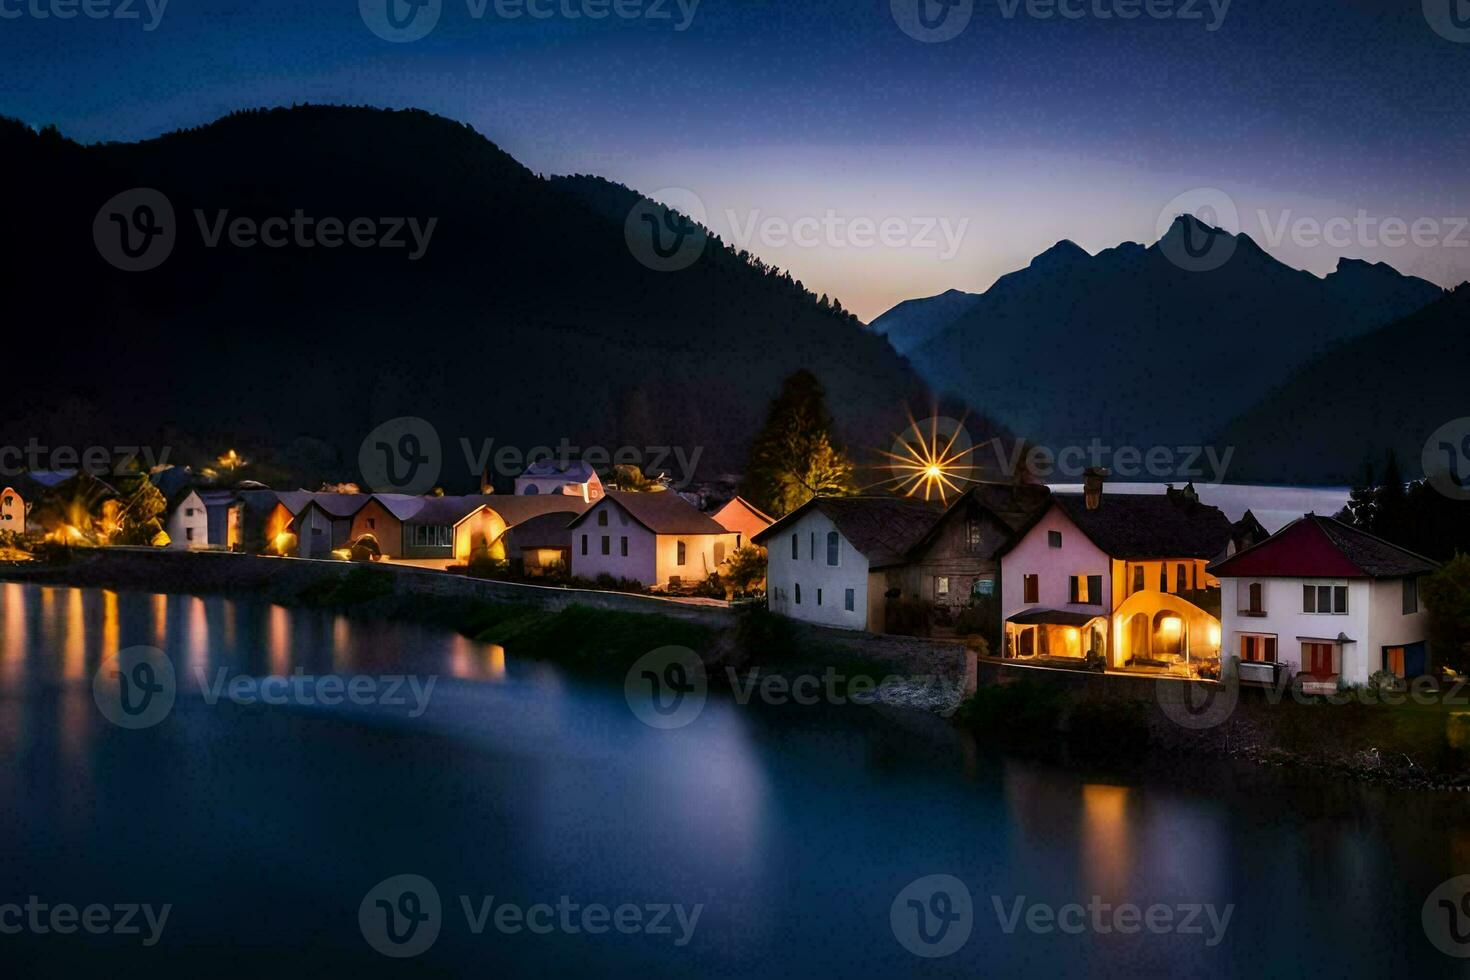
point(1171, 626)
point(929, 468)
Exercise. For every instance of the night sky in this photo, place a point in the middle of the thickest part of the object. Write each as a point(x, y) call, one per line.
point(1029, 129)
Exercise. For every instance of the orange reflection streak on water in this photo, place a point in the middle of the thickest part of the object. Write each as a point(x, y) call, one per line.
point(13, 653)
point(341, 644)
point(469, 660)
point(197, 647)
point(1105, 841)
point(73, 651)
point(110, 628)
point(160, 620)
point(278, 640)
point(497, 662)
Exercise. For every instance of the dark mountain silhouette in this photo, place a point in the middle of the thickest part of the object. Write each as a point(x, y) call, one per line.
point(527, 319)
point(913, 322)
point(1388, 390)
point(1127, 347)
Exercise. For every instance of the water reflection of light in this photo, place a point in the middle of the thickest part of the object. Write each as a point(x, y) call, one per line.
point(109, 624)
point(1106, 845)
point(197, 643)
point(73, 652)
point(13, 654)
point(469, 660)
point(160, 620)
point(278, 640)
point(341, 643)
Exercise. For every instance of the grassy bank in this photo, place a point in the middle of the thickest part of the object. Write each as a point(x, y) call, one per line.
point(1419, 742)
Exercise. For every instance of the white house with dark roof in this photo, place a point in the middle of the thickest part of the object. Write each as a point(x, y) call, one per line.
point(658, 539)
point(1325, 602)
point(187, 524)
point(576, 479)
point(826, 560)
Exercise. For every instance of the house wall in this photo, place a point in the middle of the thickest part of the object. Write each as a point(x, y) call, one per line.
point(811, 572)
point(484, 525)
point(950, 556)
point(1388, 625)
point(591, 490)
point(1287, 622)
point(1194, 573)
point(641, 564)
point(12, 511)
point(188, 525)
point(699, 556)
point(315, 532)
point(1034, 555)
point(377, 520)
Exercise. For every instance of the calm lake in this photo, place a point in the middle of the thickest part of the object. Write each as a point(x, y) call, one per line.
point(788, 831)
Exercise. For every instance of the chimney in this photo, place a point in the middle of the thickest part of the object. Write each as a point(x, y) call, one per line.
point(1092, 486)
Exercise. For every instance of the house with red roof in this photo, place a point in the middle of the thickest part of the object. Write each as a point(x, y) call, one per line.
point(1325, 601)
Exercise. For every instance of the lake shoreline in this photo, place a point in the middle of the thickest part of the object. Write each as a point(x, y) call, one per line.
point(765, 656)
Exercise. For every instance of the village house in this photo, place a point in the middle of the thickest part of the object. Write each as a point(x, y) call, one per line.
point(656, 539)
point(324, 524)
point(743, 518)
point(576, 479)
point(187, 524)
point(826, 560)
point(1120, 576)
point(12, 511)
point(1324, 602)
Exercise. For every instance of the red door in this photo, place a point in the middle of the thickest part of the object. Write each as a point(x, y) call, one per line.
point(1319, 660)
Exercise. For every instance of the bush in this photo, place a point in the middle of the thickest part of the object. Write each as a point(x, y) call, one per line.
point(909, 617)
point(710, 588)
point(365, 548)
point(1385, 681)
point(482, 565)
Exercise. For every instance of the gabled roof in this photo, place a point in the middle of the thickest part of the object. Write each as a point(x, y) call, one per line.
point(882, 528)
point(1017, 506)
point(544, 531)
point(449, 511)
point(400, 505)
point(1321, 547)
point(662, 512)
point(294, 500)
point(740, 503)
point(1142, 525)
point(515, 509)
point(180, 496)
point(339, 505)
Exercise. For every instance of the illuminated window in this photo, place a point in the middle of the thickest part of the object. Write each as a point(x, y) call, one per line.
point(941, 585)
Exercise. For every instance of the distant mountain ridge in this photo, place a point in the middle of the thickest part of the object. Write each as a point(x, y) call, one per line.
point(1130, 348)
point(527, 320)
point(1386, 390)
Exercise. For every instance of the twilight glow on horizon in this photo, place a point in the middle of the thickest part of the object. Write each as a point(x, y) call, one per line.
point(828, 141)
